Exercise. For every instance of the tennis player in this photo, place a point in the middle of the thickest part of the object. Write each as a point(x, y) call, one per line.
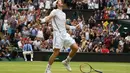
point(60, 36)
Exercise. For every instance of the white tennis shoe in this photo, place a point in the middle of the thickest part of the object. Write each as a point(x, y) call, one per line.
point(48, 71)
point(67, 65)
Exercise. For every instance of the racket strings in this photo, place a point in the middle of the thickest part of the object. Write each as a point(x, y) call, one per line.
point(86, 68)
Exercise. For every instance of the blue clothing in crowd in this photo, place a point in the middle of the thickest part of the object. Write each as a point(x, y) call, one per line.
point(27, 47)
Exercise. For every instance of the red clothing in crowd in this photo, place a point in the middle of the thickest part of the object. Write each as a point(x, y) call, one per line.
point(107, 42)
point(104, 50)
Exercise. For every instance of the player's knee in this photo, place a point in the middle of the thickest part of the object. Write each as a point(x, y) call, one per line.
point(75, 47)
point(56, 52)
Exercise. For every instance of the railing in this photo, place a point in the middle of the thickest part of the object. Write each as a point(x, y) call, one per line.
point(93, 57)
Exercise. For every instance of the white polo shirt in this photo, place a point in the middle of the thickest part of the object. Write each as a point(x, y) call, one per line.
point(59, 20)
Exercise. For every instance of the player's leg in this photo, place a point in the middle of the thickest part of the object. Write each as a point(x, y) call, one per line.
point(74, 49)
point(51, 60)
point(57, 45)
point(70, 42)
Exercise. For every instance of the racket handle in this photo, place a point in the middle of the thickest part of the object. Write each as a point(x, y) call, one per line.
point(98, 71)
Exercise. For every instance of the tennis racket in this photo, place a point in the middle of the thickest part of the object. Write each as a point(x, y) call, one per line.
point(86, 68)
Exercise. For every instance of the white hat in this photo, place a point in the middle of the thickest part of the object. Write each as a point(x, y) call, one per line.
point(54, 3)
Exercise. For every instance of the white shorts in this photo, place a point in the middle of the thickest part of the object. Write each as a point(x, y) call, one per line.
point(61, 40)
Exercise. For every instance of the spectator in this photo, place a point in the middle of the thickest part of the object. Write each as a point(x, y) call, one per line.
point(36, 44)
point(83, 44)
point(27, 50)
point(87, 33)
point(20, 44)
point(111, 27)
point(17, 36)
point(128, 10)
point(33, 32)
point(79, 5)
point(127, 38)
point(4, 51)
point(31, 7)
point(112, 13)
point(91, 4)
point(85, 4)
point(91, 21)
point(105, 49)
point(41, 5)
point(25, 32)
point(40, 33)
point(5, 27)
point(126, 48)
point(50, 42)
point(48, 4)
point(124, 16)
point(119, 49)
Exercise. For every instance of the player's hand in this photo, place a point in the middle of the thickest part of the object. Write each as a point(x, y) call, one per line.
point(43, 20)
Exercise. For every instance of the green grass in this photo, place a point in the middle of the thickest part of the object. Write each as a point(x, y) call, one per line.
point(39, 67)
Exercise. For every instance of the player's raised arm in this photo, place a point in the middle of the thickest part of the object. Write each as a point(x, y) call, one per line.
point(71, 27)
point(48, 18)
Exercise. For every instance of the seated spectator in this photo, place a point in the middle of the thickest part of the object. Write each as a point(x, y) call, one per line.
point(5, 27)
point(128, 37)
point(91, 21)
point(83, 44)
point(126, 48)
point(128, 10)
point(20, 43)
point(25, 32)
point(27, 50)
point(85, 4)
point(48, 4)
point(106, 14)
point(50, 42)
point(4, 51)
point(104, 49)
point(40, 33)
point(5, 41)
point(124, 16)
point(119, 49)
point(91, 4)
point(31, 7)
point(112, 13)
point(79, 5)
point(36, 44)
point(17, 36)
point(96, 4)
point(119, 16)
point(97, 48)
point(41, 5)
point(33, 32)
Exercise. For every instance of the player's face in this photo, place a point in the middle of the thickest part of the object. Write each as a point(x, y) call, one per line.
point(60, 3)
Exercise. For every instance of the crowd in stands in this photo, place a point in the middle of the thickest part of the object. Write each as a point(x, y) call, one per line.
point(21, 23)
point(114, 9)
point(82, 4)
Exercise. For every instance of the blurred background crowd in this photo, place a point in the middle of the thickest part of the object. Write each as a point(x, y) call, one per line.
point(20, 22)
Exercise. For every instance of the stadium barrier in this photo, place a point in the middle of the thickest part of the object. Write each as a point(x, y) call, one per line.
point(92, 57)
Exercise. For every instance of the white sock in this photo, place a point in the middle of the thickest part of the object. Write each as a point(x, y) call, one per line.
point(48, 67)
point(68, 59)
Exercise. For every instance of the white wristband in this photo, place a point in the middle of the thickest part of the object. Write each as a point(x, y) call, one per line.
point(72, 27)
point(43, 20)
